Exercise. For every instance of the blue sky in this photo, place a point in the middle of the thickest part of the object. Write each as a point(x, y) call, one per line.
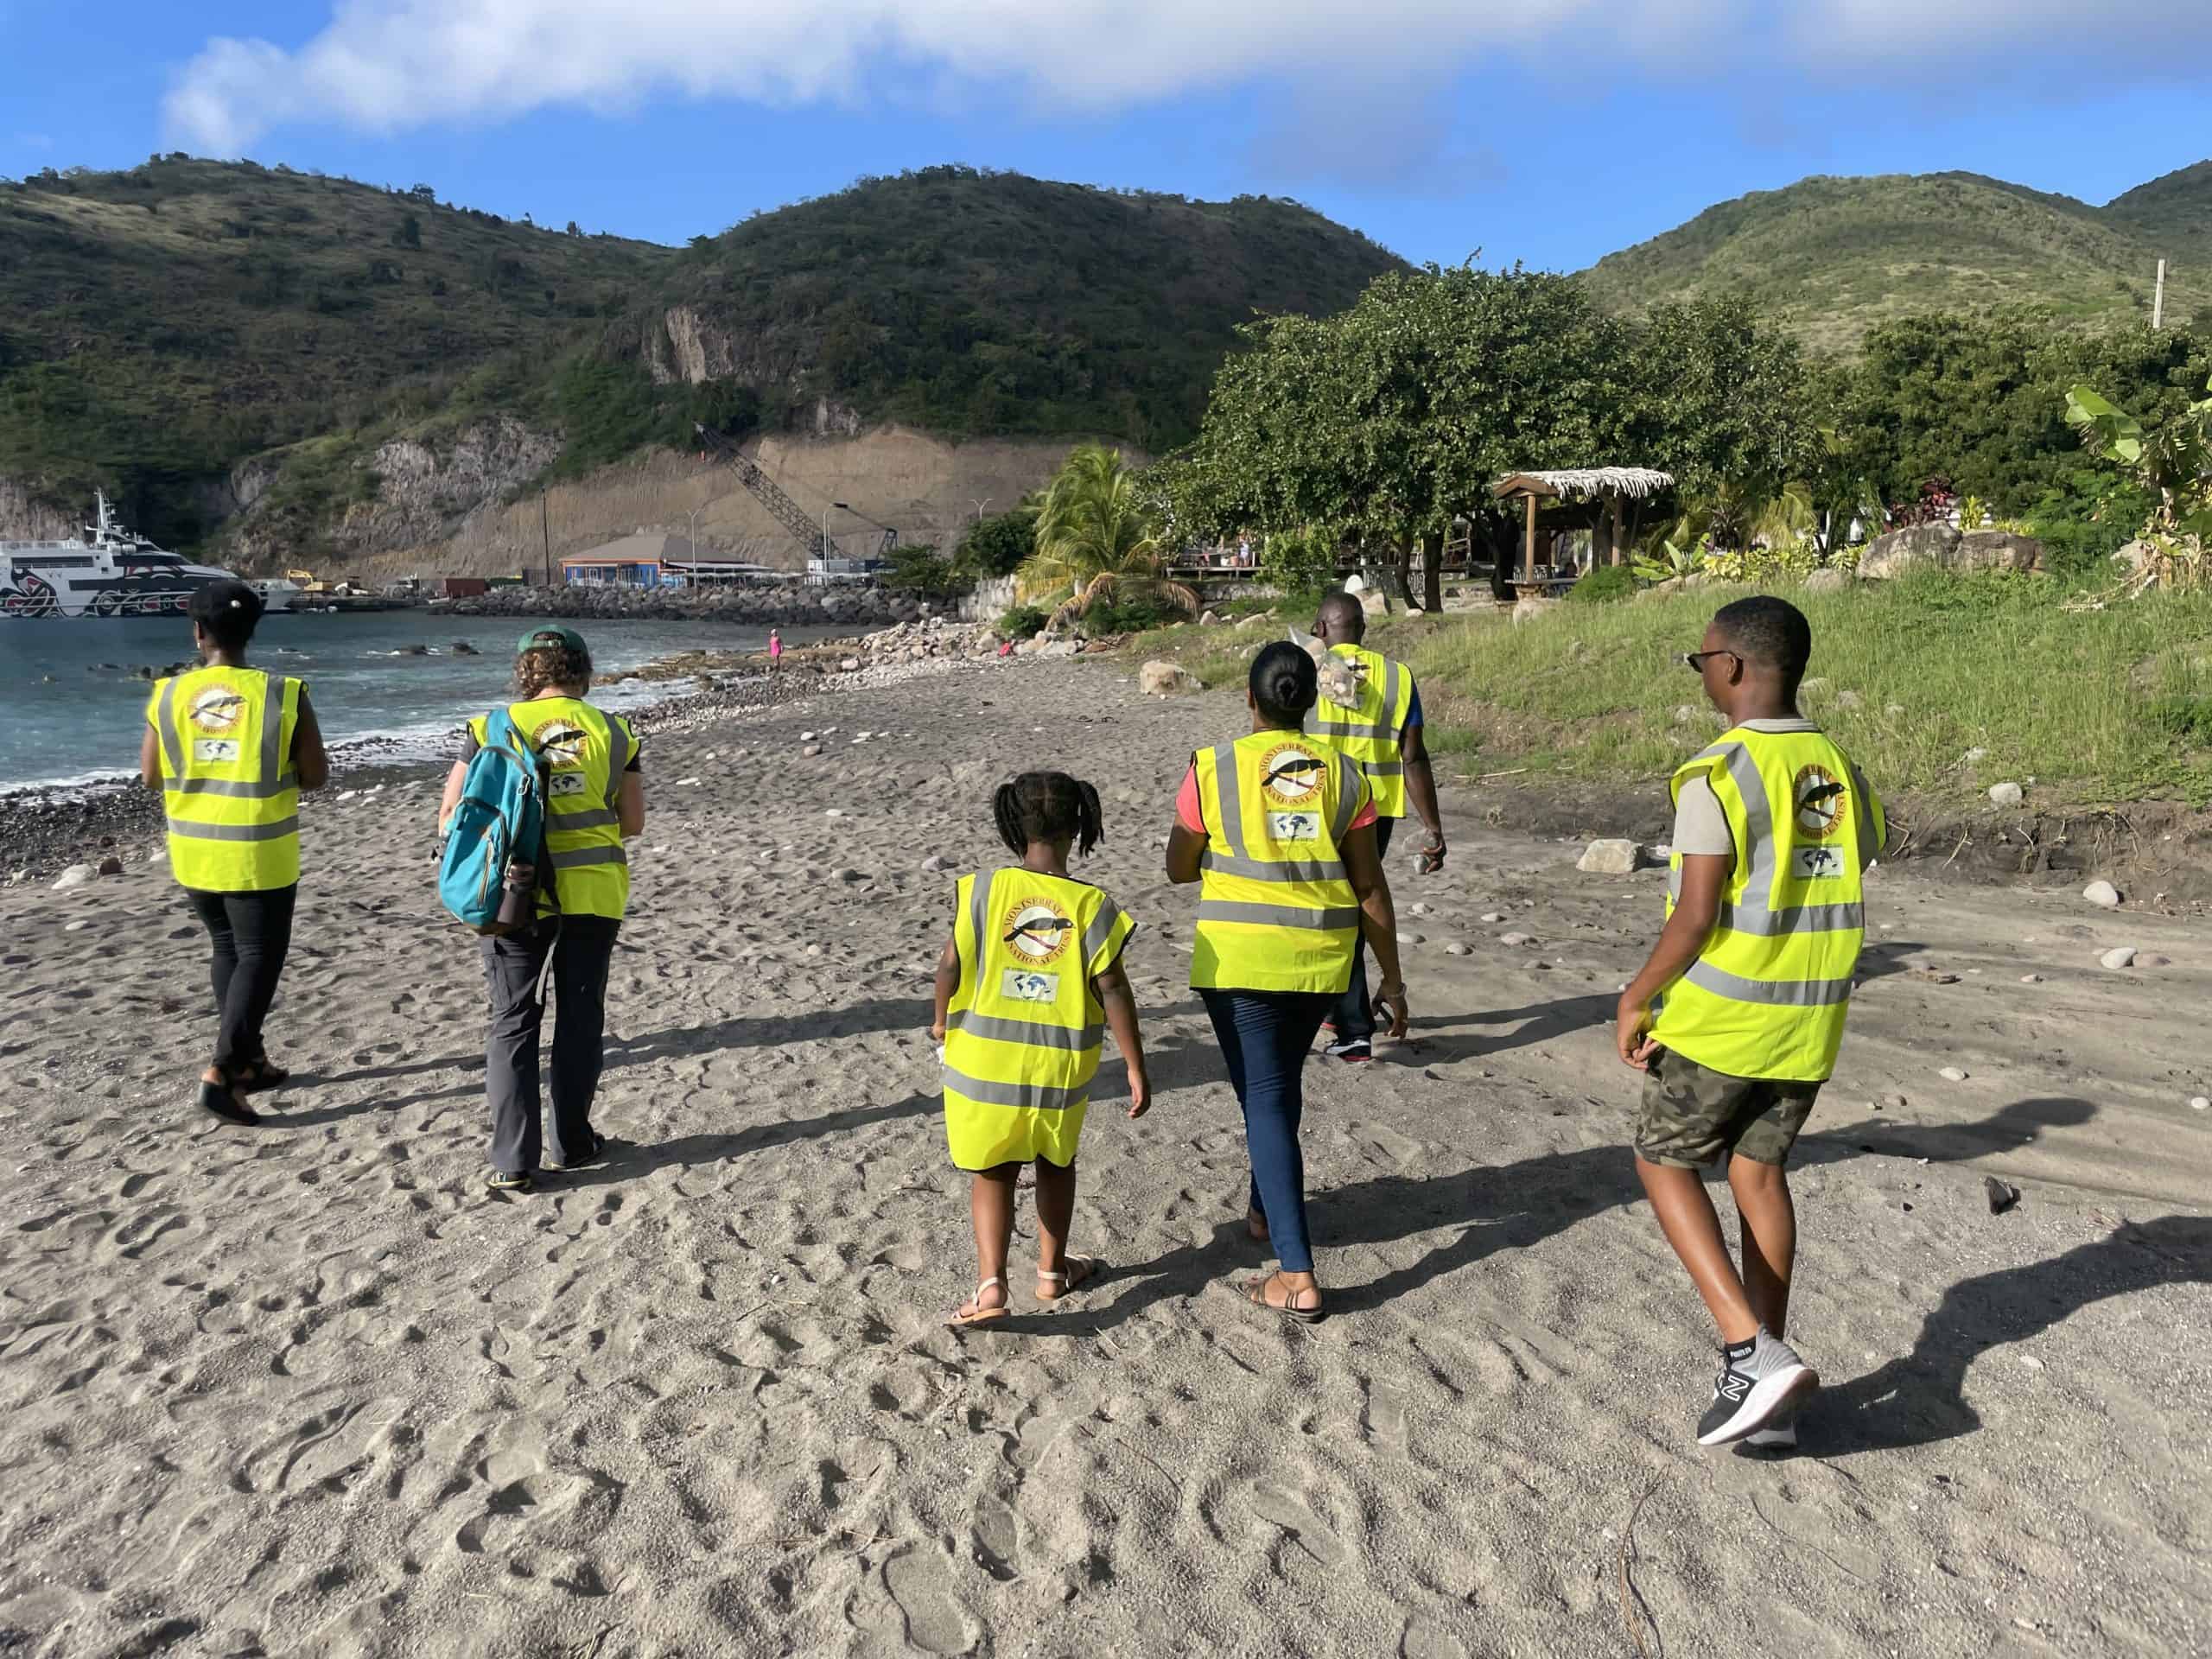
point(1551, 131)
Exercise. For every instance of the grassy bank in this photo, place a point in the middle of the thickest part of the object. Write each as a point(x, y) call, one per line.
point(2097, 707)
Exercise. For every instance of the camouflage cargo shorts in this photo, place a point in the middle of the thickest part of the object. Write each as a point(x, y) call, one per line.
point(1691, 1115)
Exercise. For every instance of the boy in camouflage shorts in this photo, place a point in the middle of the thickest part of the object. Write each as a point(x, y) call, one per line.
point(1736, 1018)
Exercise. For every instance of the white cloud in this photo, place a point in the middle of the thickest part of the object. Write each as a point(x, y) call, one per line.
point(1376, 64)
point(385, 65)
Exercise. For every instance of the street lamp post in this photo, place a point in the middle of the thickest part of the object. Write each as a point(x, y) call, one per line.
point(827, 547)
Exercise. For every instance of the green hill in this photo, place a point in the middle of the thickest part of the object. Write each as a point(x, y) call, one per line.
point(1833, 257)
point(2172, 214)
point(982, 303)
point(160, 326)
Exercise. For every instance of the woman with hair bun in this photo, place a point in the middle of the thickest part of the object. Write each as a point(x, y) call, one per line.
point(1279, 829)
point(231, 748)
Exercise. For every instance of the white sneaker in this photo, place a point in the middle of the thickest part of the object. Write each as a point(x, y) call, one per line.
point(1775, 1437)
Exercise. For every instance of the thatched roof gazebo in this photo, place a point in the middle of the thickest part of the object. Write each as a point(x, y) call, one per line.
point(1610, 487)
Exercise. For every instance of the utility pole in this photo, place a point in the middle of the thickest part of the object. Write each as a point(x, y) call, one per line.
point(2158, 300)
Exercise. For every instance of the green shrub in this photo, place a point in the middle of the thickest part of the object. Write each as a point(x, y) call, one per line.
point(996, 547)
point(1124, 616)
point(1301, 561)
point(1022, 622)
point(1604, 585)
point(916, 569)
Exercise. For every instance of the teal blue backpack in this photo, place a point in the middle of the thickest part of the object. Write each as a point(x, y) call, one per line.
point(493, 864)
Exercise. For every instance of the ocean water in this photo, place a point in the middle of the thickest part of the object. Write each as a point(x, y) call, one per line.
point(68, 719)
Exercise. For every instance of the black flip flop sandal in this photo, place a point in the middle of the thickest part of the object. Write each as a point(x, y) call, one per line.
point(219, 1100)
point(258, 1076)
point(522, 1182)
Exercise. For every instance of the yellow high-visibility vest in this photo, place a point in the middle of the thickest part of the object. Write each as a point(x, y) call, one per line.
point(1276, 909)
point(228, 786)
point(1022, 1034)
point(1372, 730)
point(588, 750)
point(1768, 995)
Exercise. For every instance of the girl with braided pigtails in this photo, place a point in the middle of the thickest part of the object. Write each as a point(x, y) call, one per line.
point(1029, 981)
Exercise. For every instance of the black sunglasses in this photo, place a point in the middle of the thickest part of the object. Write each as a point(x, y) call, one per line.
point(1698, 659)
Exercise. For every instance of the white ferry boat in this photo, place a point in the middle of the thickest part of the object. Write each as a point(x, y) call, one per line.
point(107, 571)
point(277, 593)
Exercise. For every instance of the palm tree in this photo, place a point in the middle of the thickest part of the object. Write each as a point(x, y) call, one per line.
point(1096, 539)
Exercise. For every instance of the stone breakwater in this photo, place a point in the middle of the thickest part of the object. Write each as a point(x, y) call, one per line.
point(793, 604)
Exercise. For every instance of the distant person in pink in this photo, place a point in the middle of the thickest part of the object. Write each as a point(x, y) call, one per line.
point(775, 649)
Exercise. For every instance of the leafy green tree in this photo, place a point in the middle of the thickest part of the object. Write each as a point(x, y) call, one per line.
point(997, 546)
point(2172, 464)
point(1097, 540)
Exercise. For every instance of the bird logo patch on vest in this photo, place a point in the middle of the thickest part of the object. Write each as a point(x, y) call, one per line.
point(217, 709)
point(1290, 778)
point(562, 744)
point(1820, 799)
point(1038, 932)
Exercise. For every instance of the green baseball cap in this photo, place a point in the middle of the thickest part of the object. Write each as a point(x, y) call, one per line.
point(552, 633)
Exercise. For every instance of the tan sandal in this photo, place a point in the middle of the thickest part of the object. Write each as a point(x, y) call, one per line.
point(1256, 1292)
point(1079, 1271)
point(975, 1313)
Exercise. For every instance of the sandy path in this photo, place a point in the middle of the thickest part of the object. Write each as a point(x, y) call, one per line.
point(308, 1390)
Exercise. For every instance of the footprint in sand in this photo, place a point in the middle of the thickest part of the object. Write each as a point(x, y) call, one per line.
point(917, 1582)
point(996, 1539)
point(1424, 1639)
point(1287, 1510)
point(1383, 1417)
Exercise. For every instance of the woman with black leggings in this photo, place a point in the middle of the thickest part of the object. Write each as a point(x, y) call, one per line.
point(1280, 829)
point(231, 748)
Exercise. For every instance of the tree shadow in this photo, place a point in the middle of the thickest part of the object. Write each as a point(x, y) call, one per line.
point(1513, 1206)
point(1919, 1398)
point(763, 1031)
point(629, 1160)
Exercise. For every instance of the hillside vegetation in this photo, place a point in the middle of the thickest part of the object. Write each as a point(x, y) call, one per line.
point(969, 302)
point(1833, 258)
point(159, 326)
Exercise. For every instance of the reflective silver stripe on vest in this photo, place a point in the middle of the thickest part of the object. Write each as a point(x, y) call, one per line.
point(234, 789)
point(1759, 828)
point(1027, 1096)
point(593, 818)
point(1780, 993)
point(1794, 918)
point(165, 727)
point(1383, 768)
point(1033, 1032)
point(272, 726)
point(582, 855)
point(1096, 936)
point(979, 898)
point(1252, 869)
point(1231, 910)
point(276, 831)
point(1229, 789)
point(1347, 797)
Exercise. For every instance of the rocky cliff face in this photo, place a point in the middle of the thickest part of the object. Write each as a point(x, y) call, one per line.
point(25, 517)
point(424, 493)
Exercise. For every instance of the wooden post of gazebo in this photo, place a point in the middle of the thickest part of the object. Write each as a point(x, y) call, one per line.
point(1609, 486)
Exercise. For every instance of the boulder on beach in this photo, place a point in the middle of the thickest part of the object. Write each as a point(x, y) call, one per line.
point(1158, 679)
point(1611, 858)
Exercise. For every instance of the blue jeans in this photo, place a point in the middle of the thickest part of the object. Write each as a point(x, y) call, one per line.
point(1354, 1015)
point(1264, 1037)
